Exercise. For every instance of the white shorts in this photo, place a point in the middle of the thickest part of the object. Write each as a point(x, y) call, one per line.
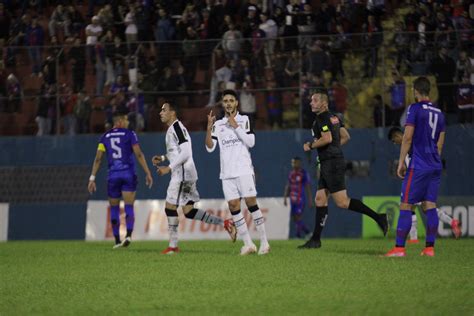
point(181, 192)
point(241, 187)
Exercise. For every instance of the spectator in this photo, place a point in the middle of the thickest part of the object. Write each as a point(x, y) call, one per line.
point(381, 112)
point(271, 31)
point(293, 67)
point(397, 94)
point(250, 21)
point(5, 22)
point(317, 60)
point(274, 106)
point(45, 111)
point(59, 19)
point(231, 42)
point(373, 40)
point(68, 101)
point(77, 21)
point(444, 69)
point(338, 45)
point(119, 52)
point(190, 46)
point(142, 20)
point(35, 41)
point(337, 97)
point(77, 56)
point(14, 94)
point(93, 32)
point(465, 101)
point(247, 103)
point(17, 37)
point(464, 66)
point(108, 44)
point(82, 112)
point(306, 25)
point(131, 30)
point(106, 17)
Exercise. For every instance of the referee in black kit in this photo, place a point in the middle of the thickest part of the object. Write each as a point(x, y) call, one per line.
point(329, 134)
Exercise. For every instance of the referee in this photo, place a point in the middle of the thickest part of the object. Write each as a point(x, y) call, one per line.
point(329, 134)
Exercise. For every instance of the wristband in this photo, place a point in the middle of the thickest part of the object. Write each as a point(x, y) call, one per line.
point(163, 157)
point(92, 178)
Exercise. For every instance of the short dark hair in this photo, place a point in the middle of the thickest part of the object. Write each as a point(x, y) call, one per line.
point(296, 158)
point(323, 92)
point(172, 107)
point(422, 85)
point(122, 111)
point(393, 130)
point(231, 92)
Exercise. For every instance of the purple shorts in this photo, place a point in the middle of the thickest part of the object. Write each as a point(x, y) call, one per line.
point(118, 182)
point(297, 208)
point(420, 185)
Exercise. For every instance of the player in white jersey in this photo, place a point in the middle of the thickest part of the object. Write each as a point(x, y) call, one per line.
point(235, 137)
point(182, 189)
point(395, 135)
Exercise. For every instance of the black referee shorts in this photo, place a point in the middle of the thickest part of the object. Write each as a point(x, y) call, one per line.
point(332, 175)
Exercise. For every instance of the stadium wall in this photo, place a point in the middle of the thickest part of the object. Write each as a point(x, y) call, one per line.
point(58, 219)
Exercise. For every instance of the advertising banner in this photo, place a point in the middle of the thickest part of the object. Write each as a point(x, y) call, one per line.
point(151, 222)
point(3, 221)
point(458, 207)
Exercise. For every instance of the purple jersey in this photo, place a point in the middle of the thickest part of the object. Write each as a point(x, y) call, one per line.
point(428, 122)
point(297, 180)
point(118, 144)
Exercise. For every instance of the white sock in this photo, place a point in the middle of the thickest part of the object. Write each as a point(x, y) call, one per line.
point(242, 229)
point(445, 218)
point(414, 228)
point(259, 221)
point(173, 222)
point(208, 218)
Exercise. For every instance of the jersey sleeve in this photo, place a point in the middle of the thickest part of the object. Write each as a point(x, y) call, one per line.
point(101, 145)
point(181, 134)
point(411, 116)
point(244, 133)
point(325, 125)
point(341, 120)
point(133, 138)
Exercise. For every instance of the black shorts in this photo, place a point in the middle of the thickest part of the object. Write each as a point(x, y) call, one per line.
point(332, 175)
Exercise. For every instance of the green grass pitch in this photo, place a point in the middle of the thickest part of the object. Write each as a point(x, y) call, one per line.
point(208, 277)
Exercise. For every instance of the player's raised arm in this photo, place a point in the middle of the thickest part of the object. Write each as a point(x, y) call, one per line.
point(141, 160)
point(246, 135)
point(95, 167)
point(211, 140)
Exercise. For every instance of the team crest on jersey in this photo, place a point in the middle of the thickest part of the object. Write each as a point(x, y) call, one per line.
point(334, 120)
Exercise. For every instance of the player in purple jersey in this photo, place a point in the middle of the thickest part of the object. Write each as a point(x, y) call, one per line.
point(423, 140)
point(395, 135)
point(297, 187)
point(120, 144)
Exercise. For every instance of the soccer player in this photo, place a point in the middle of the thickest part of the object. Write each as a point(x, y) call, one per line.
point(235, 136)
point(297, 187)
point(423, 140)
point(120, 144)
point(182, 190)
point(395, 135)
point(329, 134)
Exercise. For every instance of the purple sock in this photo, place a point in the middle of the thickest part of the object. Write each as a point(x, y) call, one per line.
point(403, 227)
point(432, 222)
point(298, 228)
point(129, 218)
point(115, 221)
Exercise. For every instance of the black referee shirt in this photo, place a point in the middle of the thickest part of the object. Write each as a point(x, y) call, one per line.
point(325, 122)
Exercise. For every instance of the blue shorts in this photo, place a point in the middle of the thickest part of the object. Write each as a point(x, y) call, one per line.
point(420, 185)
point(120, 181)
point(297, 208)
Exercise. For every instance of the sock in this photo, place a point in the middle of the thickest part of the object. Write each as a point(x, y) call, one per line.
point(359, 207)
point(204, 216)
point(298, 228)
point(320, 221)
point(432, 222)
point(259, 221)
point(443, 217)
point(403, 227)
point(241, 226)
point(129, 218)
point(173, 222)
point(414, 227)
point(115, 221)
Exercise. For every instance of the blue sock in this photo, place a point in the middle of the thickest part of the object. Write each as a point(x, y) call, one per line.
point(129, 218)
point(115, 221)
point(432, 222)
point(403, 227)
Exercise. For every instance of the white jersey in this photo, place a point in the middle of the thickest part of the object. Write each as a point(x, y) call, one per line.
point(234, 146)
point(179, 152)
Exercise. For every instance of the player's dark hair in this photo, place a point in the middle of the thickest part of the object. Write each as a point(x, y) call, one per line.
point(422, 85)
point(172, 107)
point(323, 92)
point(231, 92)
point(120, 112)
point(393, 130)
point(297, 158)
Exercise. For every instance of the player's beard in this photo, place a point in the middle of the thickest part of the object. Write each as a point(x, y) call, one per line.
point(229, 113)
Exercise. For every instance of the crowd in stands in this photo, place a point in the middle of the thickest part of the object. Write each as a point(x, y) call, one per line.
point(138, 53)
